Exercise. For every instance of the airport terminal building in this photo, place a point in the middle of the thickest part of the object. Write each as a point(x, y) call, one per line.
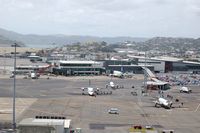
point(134, 69)
point(69, 68)
point(158, 65)
point(124, 66)
point(169, 64)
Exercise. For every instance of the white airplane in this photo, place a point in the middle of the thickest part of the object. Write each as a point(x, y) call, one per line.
point(112, 85)
point(90, 91)
point(185, 90)
point(33, 75)
point(118, 74)
point(163, 103)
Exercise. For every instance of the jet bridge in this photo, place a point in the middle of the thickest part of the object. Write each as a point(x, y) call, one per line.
point(154, 83)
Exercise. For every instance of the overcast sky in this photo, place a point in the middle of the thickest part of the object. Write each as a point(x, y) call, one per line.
point(136, 18)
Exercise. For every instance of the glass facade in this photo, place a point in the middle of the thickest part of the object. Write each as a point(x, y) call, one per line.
point(74, 65)
point(78, 69)
point(131, 69)
point(185, 66)
point(26, 68)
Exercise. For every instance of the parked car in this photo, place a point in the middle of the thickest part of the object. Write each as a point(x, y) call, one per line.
point(113, 111)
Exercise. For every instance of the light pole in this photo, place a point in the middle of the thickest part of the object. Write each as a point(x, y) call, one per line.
point(14, 88)
point(145, 73)
point(4, 71)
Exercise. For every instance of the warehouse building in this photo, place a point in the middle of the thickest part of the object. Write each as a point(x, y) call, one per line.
point(37, 125)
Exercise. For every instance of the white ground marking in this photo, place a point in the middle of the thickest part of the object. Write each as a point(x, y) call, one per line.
point(197, 108)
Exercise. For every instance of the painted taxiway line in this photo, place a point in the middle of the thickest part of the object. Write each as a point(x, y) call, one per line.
point(197, 108)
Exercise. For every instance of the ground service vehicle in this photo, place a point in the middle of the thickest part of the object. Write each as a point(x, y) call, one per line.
point(113, 111)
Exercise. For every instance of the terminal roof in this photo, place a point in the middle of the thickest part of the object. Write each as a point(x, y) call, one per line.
point(78, 62)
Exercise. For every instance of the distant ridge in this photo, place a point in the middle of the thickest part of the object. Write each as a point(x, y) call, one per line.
point(5, 42)
point(170, 44)
point(32, 40)
point(47, 41)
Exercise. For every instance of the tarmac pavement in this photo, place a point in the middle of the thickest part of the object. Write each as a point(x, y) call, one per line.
point(62, 97)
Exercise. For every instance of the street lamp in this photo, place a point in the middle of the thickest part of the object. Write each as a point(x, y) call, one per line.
point(13, 120)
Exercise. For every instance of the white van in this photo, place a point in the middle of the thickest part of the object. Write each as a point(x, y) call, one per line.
point(113, 111)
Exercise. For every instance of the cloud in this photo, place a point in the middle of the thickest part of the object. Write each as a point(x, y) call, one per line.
point(13, 5)
point(102, 17)
point(194, 6)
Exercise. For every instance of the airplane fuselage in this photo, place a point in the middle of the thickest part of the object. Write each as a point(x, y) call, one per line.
point(163, 103)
